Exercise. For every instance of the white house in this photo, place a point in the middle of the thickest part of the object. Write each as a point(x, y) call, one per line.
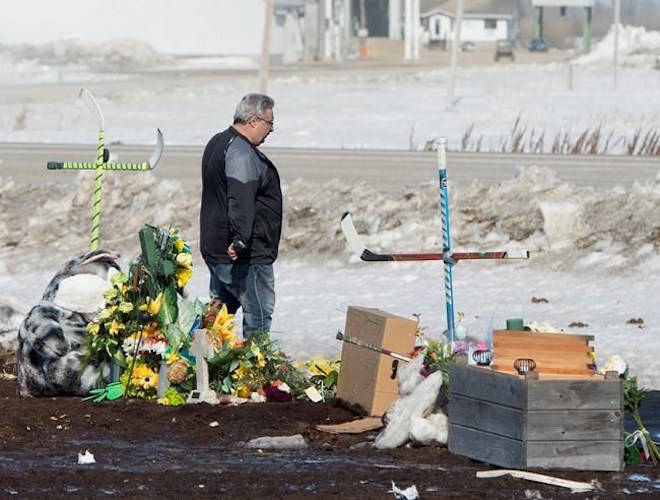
point(476, 26)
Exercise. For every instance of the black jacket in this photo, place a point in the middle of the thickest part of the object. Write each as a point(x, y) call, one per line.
point(241, 201)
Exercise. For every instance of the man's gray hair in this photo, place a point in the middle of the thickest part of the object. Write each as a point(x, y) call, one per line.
point(252, 105)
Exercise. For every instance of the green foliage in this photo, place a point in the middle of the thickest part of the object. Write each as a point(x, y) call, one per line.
point(144, 304)
point(168, 310)
point(439, 357)
point(243, 367)
point(172, 397)
point(633, 396)
point(632, 393)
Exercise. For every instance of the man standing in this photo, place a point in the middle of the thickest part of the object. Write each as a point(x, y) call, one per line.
point(241, 214)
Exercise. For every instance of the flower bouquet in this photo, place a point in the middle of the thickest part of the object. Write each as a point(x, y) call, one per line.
point(146, 320)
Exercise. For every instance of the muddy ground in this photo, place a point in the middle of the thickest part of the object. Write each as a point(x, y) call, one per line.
point(146, 450)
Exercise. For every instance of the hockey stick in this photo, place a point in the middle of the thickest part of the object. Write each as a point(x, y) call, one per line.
point(371, 347)
point(441, 147)
point(102, 164)
point(130, 166)
point(367, 255)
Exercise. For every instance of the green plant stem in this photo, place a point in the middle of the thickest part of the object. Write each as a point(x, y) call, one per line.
point(650, 444)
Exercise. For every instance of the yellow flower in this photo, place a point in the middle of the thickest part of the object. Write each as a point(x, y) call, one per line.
point(107, 312)
point(125, 307)
point(178, 245)
point(223, 317)
point(261, 361)
point(227, 335)
point(184, 260)
point(93, 328)
point(239, 372)
point(144, 377)
point(155, 305)
point(172, 356)
point(116, 327)
point(244, 391)
point(183, 275)
point(322, 366)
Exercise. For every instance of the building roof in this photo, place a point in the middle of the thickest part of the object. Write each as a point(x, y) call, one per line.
point(477, 8)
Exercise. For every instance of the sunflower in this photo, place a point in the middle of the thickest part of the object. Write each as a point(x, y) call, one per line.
point(144, 377)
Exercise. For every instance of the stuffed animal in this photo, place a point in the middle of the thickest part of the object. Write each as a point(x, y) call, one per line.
point(52, 339)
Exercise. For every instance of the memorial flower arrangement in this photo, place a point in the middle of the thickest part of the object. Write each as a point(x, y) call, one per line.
point(633, 396)
point(239, 367)
point(146, 320)
point(145, 326)
point(321, 372)
point(438, 356)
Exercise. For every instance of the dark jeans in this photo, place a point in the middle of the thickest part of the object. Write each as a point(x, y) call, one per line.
point(251, 286)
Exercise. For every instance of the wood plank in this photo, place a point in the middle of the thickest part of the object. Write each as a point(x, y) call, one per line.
point(574, 395)
point(542, 335)
point(587, 372)
point(482, 383)
point(505, 341)
point(580, 455)
point(553, 352)
point(574, 425)
point(486, 447)
point(486, 416)
point(542, 365)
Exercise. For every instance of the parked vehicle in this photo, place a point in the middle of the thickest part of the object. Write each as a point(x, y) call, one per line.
point(467, 46)
point(504, 48)
point(538, 45)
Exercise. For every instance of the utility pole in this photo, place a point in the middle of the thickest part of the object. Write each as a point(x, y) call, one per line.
point(363, 33)
point(454, 55)
point(415, 29)
point(328, 29)
point(407, 31)
point(617, 21)
point(264, 70)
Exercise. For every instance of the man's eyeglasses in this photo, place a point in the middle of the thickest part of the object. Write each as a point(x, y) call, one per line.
point(271, 123)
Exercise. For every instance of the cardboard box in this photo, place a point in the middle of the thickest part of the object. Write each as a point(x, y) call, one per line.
point(368, 378)
point(514, 422)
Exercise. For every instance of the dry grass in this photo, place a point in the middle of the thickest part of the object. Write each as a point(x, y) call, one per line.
point(522, 139)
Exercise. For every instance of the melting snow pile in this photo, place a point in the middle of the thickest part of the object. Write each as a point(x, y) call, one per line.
point(563, 224)
point(113, 55)
point(637, 48)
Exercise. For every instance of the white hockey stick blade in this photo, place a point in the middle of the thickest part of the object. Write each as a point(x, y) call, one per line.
point(89, 100)
point(158, 151)
point(351, 235)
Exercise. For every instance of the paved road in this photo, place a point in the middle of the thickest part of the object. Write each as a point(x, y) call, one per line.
point(388, 170)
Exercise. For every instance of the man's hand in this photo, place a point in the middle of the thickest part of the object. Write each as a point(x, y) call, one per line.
point(231, 251)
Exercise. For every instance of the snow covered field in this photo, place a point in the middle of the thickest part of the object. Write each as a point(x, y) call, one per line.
point(611, 280)
point(344, 110)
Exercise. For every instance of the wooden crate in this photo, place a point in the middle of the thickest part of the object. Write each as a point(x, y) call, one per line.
point(518, 423)
point(554, 353)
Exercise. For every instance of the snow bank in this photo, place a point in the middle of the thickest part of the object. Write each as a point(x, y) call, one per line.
point(637, 48)
point(564, 225)
point(115, 55)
